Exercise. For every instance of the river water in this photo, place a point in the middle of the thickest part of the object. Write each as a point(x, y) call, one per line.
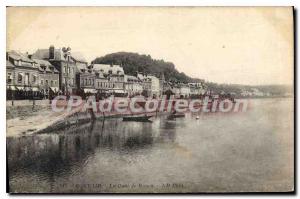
point(245, 151)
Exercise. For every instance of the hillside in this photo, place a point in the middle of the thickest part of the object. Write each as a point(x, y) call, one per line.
point(274, 90)
point(133, 62)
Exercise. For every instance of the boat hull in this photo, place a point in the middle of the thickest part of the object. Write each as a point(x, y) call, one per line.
point(173, 116)
point(137, 119)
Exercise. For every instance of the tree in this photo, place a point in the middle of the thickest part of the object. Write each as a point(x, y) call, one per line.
point(133, 62)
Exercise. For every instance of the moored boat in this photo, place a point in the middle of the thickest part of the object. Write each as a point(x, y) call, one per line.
point(144, 118)
point(176, 115)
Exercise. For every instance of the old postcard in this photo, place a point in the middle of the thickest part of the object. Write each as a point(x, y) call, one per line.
point(150, 99)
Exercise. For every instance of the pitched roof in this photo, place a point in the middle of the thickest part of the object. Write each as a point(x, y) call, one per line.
point(58, 55)
point(41, 54)
point(9, 64)
point(45, 63)
point(81, 66)
point(19, 56)
point(42, 62)
point(44, 54)
point(77, 56)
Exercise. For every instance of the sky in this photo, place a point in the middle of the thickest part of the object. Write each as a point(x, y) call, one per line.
point(240, 45)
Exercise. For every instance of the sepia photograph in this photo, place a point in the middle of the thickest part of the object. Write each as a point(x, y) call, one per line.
point(150, 100)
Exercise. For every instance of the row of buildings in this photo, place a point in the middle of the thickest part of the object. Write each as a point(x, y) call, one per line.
point(62, 71)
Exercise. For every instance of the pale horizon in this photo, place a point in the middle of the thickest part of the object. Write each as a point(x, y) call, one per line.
point(248, 46)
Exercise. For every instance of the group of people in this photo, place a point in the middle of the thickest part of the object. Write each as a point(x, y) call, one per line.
point(29, 94)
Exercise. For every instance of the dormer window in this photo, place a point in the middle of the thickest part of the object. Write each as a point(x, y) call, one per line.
point(17, 62)
point(51, 68)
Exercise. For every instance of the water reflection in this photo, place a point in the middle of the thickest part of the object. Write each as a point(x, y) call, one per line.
point(217, 152)
point(64, 152)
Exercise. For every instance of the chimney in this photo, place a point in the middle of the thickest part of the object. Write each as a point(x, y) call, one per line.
point(51, 52)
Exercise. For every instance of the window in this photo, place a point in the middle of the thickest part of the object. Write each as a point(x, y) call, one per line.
point(33, 79)
point(42, 82)
point(51, 83)
point(46, 81)
point(55, 82)
point(20, 77)
point(9, 78)
point(65, 69)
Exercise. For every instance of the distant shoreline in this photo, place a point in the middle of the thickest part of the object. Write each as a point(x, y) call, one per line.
point(265, 97)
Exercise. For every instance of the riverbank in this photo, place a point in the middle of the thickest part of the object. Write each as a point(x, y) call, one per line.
point(24, 119)
point(31, 117)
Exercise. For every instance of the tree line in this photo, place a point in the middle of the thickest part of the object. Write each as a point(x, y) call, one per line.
point(133, 62)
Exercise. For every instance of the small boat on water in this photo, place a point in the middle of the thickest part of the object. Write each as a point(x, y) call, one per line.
point(144, 118)
point(138, 118)
point(176, 115)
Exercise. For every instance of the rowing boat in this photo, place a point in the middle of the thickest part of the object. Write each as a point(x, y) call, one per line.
point(137, 118)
